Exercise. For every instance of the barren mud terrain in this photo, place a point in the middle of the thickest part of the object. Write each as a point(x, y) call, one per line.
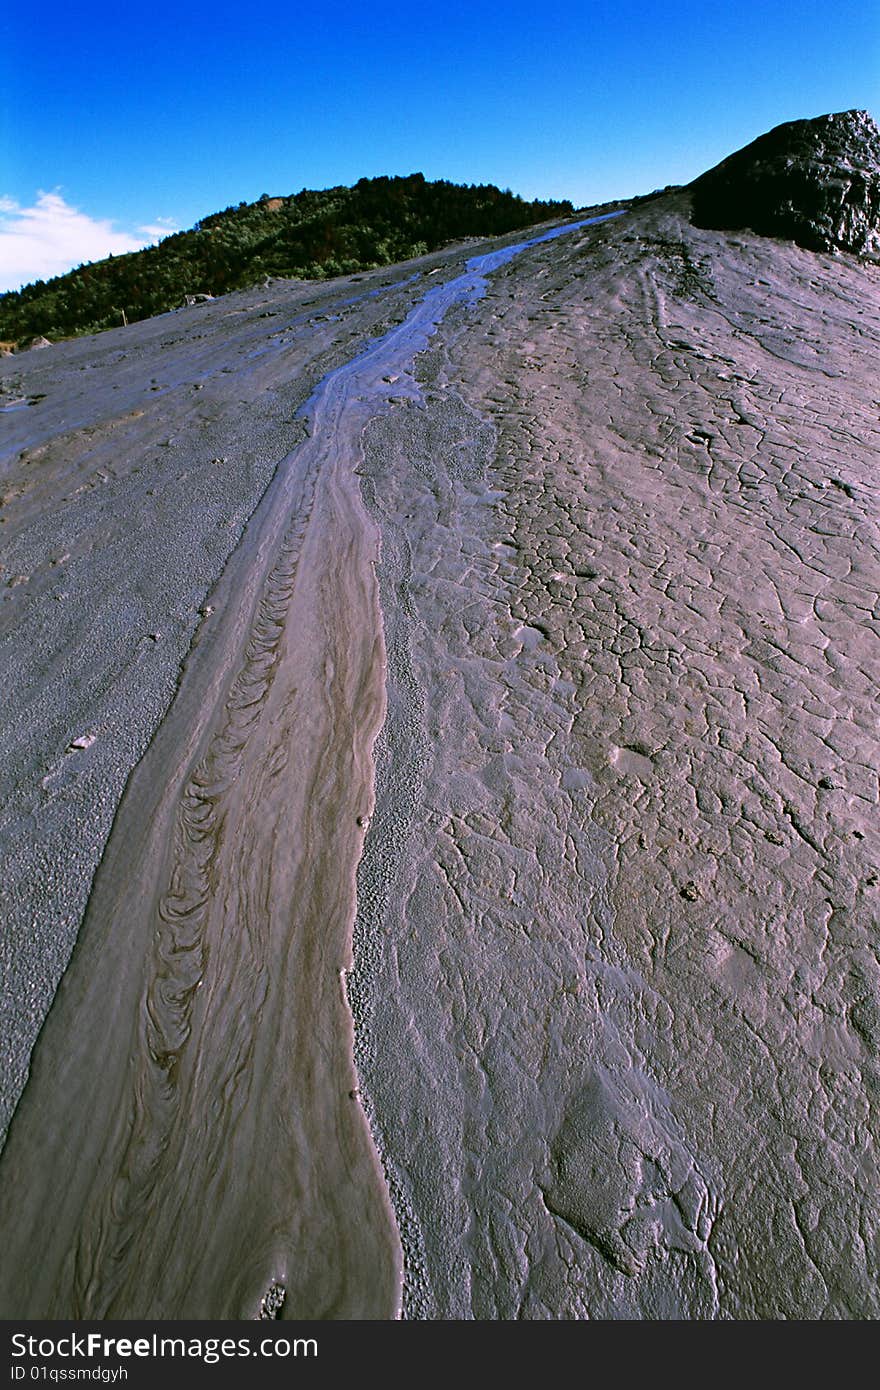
point(623, 1017)
point(440, 715)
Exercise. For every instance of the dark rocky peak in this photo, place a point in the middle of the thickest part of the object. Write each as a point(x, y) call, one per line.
point(813, 182)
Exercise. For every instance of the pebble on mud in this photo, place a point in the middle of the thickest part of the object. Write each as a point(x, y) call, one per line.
point(83, 741)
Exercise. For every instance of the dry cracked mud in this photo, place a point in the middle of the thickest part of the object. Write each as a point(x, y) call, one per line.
point(556, 617)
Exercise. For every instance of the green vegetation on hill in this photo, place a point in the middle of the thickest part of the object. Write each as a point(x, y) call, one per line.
point(312, 235)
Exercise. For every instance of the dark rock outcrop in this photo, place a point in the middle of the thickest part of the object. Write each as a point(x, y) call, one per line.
point(814, 182)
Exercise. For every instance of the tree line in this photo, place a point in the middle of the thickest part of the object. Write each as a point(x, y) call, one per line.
point(315, 234)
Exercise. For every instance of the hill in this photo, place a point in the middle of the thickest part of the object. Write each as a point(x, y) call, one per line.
point(310, 235)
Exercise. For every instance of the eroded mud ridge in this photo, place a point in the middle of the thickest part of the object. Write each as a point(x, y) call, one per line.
point(558, 620)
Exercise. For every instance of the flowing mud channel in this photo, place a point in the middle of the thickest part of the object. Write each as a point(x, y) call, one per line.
point(191, 1142)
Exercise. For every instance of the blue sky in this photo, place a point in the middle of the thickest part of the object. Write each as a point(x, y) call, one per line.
point(117, 120)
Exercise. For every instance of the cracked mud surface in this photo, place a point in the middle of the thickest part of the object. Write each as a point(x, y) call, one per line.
point(614, 982)
point(623, 1041)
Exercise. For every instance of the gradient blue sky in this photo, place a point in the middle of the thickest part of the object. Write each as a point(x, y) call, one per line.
point(133, 117)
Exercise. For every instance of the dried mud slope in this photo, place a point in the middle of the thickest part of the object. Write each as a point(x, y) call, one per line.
point(605, 565)
point(617, 976)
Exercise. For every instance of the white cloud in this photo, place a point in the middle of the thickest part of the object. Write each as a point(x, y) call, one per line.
point(52, 237)
point(154, 231)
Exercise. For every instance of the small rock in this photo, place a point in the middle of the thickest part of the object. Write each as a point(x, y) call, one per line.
point(272, 1302)
point(690, 891)
point(84, 741)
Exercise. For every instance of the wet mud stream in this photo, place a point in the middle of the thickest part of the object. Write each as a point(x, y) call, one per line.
point(190, 1143)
